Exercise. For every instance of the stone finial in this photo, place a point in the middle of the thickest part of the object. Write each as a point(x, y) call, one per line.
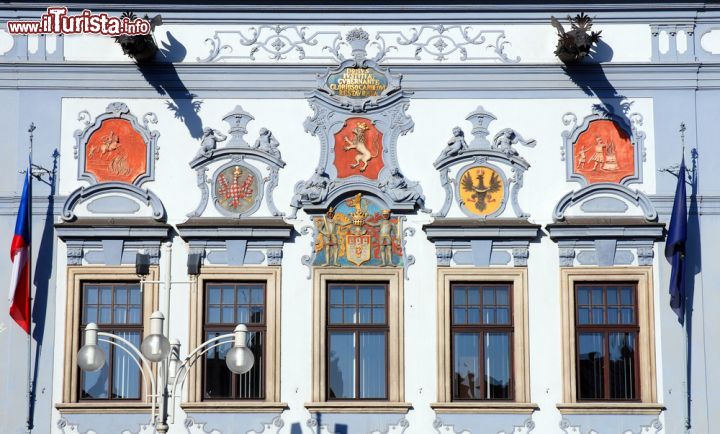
point(358, 40)
point(480, 120)
point(238, 120)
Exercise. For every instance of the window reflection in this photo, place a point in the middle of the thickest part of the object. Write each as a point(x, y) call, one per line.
point(482, 339)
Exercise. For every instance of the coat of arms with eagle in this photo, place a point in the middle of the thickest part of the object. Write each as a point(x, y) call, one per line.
point(481, 190)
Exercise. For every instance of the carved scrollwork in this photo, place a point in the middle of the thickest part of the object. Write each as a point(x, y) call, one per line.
point(280, 43)
point(307, 260)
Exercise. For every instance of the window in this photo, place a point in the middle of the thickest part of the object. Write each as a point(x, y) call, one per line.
point(608, 341)
point(226, 305)
point(222, 298)
point(481, 341)
point(112, 298)
point(357, 341)
point(357, 356)
point(116, 308)
point(606, 338)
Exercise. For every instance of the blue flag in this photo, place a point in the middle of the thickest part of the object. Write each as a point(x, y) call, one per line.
point(675, 246)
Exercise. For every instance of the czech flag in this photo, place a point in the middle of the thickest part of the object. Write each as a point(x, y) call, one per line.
point(20, 256)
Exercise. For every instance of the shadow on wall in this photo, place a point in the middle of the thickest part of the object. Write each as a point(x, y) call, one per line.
point(164, 78)
point(590, 77)
point(44, 265)
point(693, 267)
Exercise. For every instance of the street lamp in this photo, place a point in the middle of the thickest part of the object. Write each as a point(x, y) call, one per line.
point(156, 348)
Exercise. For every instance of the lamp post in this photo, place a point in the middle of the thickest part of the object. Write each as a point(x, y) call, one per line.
point(156, 348)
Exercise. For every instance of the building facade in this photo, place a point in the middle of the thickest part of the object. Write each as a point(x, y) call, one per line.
point(431, 218)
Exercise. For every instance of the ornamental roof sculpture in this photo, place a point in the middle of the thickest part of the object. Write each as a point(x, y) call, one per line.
point(359, 113)
point(237, 185)
point(116, 155)
point(489, 172)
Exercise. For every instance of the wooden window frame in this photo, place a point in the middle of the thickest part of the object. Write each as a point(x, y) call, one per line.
point(518, 278)
point(482, 330)
point(228, 328)
point(357, 329)
point(271, 276)
point(76, 276)
point(642, 277)
point(112, 328)
point(394, 403)
point(605, 329)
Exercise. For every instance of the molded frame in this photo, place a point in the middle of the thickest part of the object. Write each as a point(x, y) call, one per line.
point(631, 127)
point(117, 110)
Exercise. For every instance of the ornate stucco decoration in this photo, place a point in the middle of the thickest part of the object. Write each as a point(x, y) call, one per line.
point(358, 233)
point(237, 185)
point(605, 222)
point(604, 153)
point(116, 155)
point(426, 43)
point(489, 172)
point(359, 113)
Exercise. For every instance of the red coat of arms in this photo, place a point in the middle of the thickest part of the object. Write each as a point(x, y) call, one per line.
point(358, 149)
point(116, 152)
point(604, 153)
point(236, 189)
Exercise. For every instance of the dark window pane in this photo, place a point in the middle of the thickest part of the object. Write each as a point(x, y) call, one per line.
point(466, 366)
point(366, 296)
point(120, 315)
point(459, 316)
point(488, 296)
point(90, 315)
point(372, 365)
point(583, 315)
point(135, 295)
point(497, 366)
point(95, 385)
point(473, 316)
point(379, 296)
point(228, 316)
point(120, 296)
point(341, 365)
point(583, 295)
point(105, 295)
point(135, 315)
point(105, 315)
point(218, 378)
point(243, 315)
point(612, 315)
point(335, 315)
point(256, 315)
point(597, 316)
point(489, 316)
point(91, 295)
point(213, 315)
point(349, 297)
point(214, 295)
point(365, 315)
point(257, 296)
point(501, 296)
point(243, 295)
point(502, 315)
point(622, 369)
point(379, 315)
point(473, 296)
point(349, 315)
point(459, 296)
point(627, 316)
point(590, 365)
point(250, 384)
point(612, 297)
point(126, 374)
point(335, 295)
point(626, 295)
point(228, 295)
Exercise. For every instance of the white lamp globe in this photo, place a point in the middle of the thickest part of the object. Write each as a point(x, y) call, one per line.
point(91, 357)
point(240, 359)
point(156, 346)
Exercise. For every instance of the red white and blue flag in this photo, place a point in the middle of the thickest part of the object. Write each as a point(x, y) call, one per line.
point(20, 256)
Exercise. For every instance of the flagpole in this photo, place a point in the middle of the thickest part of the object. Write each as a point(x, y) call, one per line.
point(28, 428)
point(688, 398)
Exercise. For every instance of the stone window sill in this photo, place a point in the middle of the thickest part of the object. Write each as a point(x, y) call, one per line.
point(484, 407)
point(610, 408)
point(233, 407)
point(105, 407)
point(358, 407)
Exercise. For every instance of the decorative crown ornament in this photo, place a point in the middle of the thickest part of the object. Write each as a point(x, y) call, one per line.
point(358, 40)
